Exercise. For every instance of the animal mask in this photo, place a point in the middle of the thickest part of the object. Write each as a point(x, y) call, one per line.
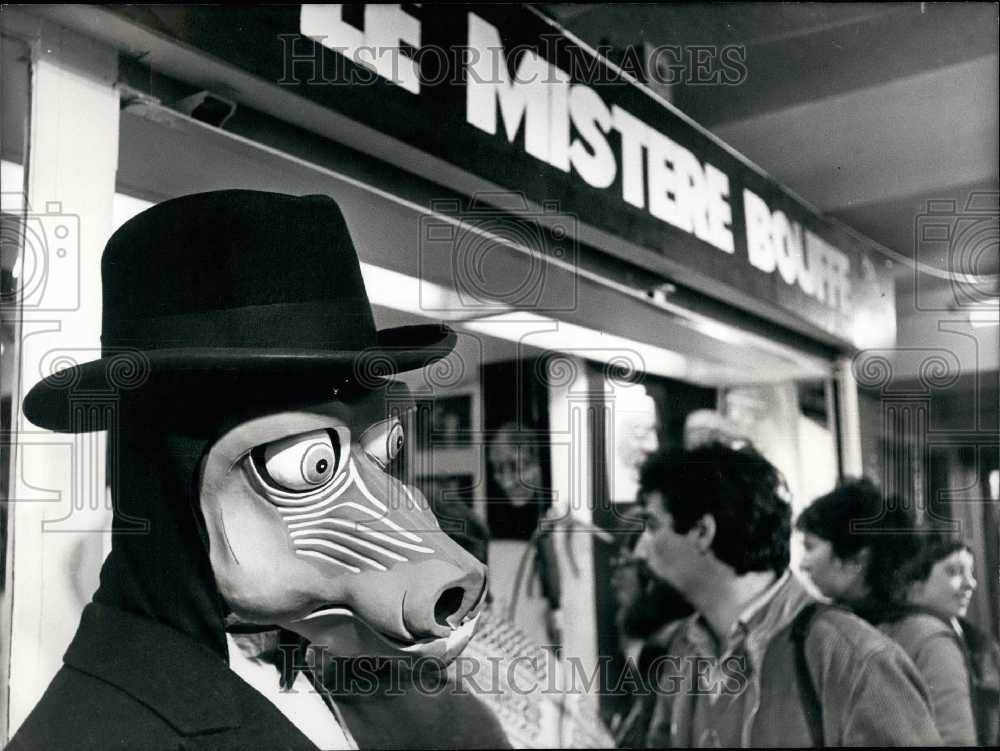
point(308, 530)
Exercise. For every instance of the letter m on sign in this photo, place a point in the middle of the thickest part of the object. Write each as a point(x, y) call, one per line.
point(527, 98)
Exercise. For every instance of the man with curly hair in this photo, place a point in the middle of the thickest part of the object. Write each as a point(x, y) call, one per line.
point(758, 664)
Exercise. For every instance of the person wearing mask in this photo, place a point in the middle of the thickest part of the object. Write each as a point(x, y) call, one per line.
point(248, 435)
point(413, 704)
point(718, 526)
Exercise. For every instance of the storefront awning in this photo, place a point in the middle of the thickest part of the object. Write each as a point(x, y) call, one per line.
point(480, 98)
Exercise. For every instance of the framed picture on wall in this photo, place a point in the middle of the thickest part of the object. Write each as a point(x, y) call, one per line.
point(447, 488)
point(518, 473)
point(445, 422)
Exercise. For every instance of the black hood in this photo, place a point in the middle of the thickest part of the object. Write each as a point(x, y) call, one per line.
point(159, 565)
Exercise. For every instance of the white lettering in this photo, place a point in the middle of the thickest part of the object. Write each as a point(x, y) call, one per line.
point(592, 120)
point(664, 191)
point(786, 241)
point(691, 195)
point(776, 243)
point(758, 225)
point(527, 98)
point(325, 24)
point(559, 114)
point(377, 47)
point(635, 135)
point(385, 27)
point(830, 271)
point(679, 190)
point(720, 213)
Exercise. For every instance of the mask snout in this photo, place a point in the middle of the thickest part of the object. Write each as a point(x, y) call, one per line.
point(442, 598)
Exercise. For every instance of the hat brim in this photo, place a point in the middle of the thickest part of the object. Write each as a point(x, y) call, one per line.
point(71, 400)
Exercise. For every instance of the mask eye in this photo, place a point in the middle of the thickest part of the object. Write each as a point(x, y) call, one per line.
point(299, 463)
point(383, 441)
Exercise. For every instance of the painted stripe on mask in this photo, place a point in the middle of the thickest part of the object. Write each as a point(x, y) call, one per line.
point(362, 528)
point(356, 477)
point(340, 549)
point(313, 530)
point(329, 559)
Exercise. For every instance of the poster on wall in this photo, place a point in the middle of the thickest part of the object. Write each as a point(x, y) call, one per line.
point(447, 489)
point(516, 421)
point(450, 422)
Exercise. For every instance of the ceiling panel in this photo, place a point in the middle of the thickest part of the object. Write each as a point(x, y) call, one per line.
point(938, 129)
point(867, 111)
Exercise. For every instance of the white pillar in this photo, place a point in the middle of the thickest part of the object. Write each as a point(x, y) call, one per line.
point(59, 509)
point(849, 419)
point(572, 502)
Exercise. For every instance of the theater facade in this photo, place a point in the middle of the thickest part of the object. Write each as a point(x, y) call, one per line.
point(610, 266)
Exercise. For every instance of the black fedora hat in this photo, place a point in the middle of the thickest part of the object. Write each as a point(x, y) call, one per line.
point(233, 283)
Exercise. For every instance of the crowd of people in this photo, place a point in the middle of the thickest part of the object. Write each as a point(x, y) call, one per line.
point(915, 585)
point(884, 657)
point(276, 558)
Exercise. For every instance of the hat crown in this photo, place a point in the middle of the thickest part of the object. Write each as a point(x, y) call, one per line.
point(236, 269)
point(231, 293)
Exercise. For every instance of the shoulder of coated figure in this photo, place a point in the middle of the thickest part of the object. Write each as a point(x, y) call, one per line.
point(915, 630)
point(835, 628)
point(925, 624)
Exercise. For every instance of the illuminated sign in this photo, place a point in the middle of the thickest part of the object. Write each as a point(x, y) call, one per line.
point(506, 96)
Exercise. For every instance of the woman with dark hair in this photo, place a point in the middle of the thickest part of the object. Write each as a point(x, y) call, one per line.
point(868, 553)
point(960, 663)
point(839, 535)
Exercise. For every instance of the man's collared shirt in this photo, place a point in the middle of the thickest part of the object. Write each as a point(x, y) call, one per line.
point(721, 674)
point(301, 704)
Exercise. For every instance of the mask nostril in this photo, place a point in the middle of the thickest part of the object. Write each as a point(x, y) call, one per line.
point(448, 605)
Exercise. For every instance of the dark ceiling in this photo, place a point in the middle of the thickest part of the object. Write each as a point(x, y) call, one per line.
point(867, 111)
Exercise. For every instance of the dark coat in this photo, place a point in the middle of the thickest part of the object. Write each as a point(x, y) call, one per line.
point(870, 691)
point(132, 683)
point(430, 711)
point(961, 669)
